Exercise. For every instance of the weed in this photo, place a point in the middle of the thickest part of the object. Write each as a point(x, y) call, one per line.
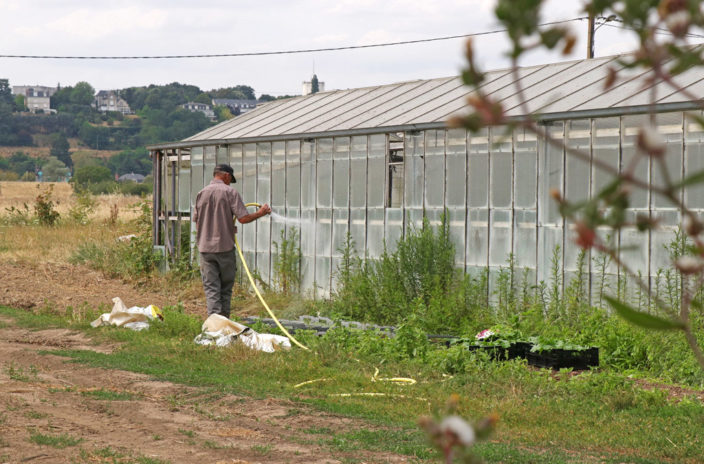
point(35, 415)
point(287, 263)
point(44, 208)
point(188, 433)
point(263, 450)
point(18, 373)
point(83, 206)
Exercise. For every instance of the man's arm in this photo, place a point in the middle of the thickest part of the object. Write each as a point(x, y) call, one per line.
point(263, 211)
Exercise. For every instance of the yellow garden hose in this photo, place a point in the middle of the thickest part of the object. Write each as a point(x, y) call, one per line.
point(256, 290)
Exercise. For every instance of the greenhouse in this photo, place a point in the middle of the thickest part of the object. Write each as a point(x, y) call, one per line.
point(374, 162)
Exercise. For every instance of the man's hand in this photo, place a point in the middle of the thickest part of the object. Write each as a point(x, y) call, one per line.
point(265, 209)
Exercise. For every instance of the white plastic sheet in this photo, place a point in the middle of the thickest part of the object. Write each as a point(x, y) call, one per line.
point(135, 318)
point(221, 331)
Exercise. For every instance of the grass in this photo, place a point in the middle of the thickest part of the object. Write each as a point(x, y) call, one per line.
point(108, 395)
point(545, 417)
point(55, 441)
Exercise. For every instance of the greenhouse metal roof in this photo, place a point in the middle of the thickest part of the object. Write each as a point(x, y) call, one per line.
point(564, 90)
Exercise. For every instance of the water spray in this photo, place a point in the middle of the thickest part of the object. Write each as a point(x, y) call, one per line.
point(256, 290)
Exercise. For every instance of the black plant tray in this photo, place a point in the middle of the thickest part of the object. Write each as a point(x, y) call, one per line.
point(561, 359)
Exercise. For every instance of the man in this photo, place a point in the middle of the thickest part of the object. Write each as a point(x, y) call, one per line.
point(216, 206)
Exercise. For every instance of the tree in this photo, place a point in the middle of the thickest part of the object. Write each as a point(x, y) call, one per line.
point(6, 92)
point(91, 175)
point(60, 149)
point(314, 86)
point(19, 103)
point(54, 170)
point(223, 113)
point(82, 94)
point(130, 161)
point(21, 163)
point(660, 57)
point(266, 98)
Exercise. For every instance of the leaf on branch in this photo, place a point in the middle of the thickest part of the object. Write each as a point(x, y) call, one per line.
point(638, 318)
point(696, 178)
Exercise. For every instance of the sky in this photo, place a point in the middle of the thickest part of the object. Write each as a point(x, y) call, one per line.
point(186, 27)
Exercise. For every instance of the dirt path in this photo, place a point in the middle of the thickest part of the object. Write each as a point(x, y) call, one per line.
point(122, 417)
point(128, 416)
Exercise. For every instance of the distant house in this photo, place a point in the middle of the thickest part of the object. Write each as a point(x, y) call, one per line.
point(202, 107)
point(110, 100)
point(132, 177)
point(234, 105)
point(36, 97)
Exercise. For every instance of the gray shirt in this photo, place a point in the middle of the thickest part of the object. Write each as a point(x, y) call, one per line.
point(216, 206)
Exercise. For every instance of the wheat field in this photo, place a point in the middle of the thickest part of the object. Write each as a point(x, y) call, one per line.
point(16, 194)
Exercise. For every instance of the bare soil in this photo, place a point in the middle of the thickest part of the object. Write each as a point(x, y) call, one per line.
point(44, 395)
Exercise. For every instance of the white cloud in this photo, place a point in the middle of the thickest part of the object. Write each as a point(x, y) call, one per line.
point(93, 23)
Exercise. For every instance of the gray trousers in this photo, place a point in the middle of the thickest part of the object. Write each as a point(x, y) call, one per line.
point(218, 273)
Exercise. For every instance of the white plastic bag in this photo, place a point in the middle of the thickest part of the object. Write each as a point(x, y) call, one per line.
point(135, 318)
point(221, 331)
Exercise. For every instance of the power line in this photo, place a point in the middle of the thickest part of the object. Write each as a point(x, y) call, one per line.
point(659, 30)
point(285, 52)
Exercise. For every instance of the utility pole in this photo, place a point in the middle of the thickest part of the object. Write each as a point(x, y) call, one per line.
point(590, 37)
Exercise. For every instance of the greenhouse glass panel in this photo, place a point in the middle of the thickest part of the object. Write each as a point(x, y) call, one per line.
point(324, 183)
point(634, 250)
point(414, 219)
point(358, 172)
point(478, 238)
point(323, 242)
point(458, 234)
point(479, 169)
point(278, 178)
point(526, 237)
point(196, 172)
point(434, 169)
point(264, 237)
point(500, 237)
point(209, 163)
point(375, 232)
point(414, 169)
point(456, 169)
point(184, 187)
point(606, 136)
point(340, 228)
point(631, 126)
point(526, 160)
point(551, 161)
point(577, 179)
point(358, 231)
point(663, 235)
point(236, 162)
point(694, 162)
point(341, 173)
point(293, 178)
point(394, 228)
point(571, 249)
point(501, 167)
point(248, 191)
point(670, 128)
point(221, 155)
point(308, 229)
point(376, 169)
point(308, 175)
